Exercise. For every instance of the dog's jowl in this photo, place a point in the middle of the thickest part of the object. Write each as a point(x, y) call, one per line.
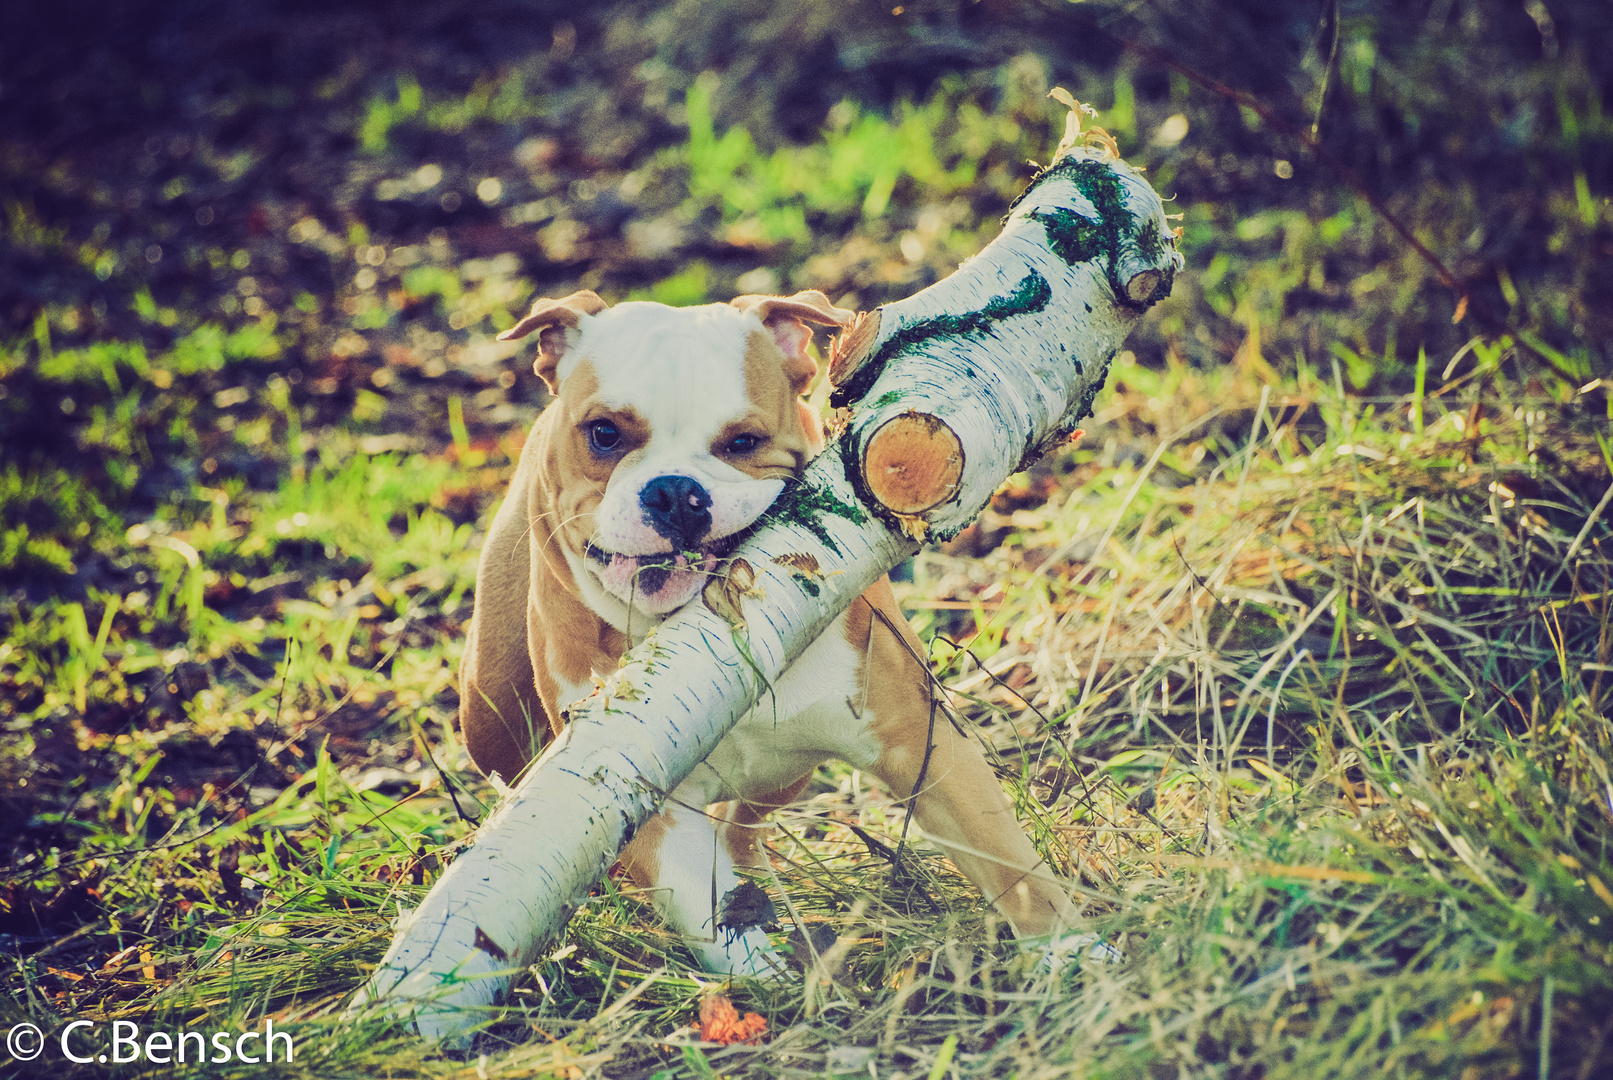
point(672, 430)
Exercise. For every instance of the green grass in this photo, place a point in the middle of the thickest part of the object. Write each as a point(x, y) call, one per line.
point(1392, 884)
point(855, 166)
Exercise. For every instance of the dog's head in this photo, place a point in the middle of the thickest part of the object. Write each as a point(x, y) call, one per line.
point(676, 429)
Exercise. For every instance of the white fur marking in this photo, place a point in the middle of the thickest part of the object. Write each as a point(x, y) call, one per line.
point(695, 869)
point(682, 370)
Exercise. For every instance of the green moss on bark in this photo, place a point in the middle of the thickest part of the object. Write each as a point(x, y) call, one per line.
point(1029, 296)
point(805, 503)
point(1076, 238)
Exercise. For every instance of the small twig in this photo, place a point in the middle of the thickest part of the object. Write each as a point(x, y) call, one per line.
point(285, 679)
point(1327, 70)
point(132, 851)
point(900, 874)
point(874, 845)
point(918, 784)
point(447, 784)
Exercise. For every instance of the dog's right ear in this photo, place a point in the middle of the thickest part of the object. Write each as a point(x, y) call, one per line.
point(556, 322)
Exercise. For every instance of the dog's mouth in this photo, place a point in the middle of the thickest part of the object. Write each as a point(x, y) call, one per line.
point(660, 581)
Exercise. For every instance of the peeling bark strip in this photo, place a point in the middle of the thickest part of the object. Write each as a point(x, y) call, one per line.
point(1001, 357)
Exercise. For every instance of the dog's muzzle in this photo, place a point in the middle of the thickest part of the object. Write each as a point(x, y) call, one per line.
point(678, 508)
point(662, 581)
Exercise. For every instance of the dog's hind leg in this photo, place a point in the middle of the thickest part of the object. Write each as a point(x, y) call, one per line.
point(745, 823)
point(956, 797)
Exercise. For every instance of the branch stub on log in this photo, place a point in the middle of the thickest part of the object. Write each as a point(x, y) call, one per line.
point(1142, 288)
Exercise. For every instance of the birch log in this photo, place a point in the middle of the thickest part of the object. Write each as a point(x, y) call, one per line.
point(940, 398)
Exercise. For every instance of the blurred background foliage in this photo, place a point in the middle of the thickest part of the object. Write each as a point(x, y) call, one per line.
point(346, 202)
point(204, 200)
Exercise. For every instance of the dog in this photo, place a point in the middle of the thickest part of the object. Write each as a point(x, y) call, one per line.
point(671, 432)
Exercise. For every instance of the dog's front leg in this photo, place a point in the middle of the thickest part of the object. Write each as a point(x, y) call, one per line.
point(682, 855)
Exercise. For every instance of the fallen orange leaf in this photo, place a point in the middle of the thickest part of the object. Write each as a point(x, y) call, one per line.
point(720, 1022)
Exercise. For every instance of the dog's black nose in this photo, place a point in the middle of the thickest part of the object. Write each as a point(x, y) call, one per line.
point(678, 508)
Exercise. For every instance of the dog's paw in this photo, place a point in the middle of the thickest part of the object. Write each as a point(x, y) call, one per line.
point(749, 953)
point(1068, 952)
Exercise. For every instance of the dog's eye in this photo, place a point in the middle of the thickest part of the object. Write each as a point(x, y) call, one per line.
point(603, 435)
point(743, 444)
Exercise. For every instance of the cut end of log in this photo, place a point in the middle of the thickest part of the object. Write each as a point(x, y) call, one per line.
point(852, 347)
point(1141, 289)
point(913, 462)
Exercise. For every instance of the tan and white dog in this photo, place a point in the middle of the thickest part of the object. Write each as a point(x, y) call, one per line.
point(673, 429)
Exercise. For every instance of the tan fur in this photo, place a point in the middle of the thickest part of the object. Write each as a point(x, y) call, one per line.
point(745, 821)
point(960, 801)
point(641, 858)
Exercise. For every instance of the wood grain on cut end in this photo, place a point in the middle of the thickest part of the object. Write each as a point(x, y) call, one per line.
point(852, 347)
point(913, 462)
point(1141, 288)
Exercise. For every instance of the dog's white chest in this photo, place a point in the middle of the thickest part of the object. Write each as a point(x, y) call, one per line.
point(816, 710)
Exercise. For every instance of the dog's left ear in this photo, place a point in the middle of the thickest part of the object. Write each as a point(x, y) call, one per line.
point(557, 322)
point(787, 318)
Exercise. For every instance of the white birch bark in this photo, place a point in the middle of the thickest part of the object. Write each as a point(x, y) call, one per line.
point(1007, 353)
